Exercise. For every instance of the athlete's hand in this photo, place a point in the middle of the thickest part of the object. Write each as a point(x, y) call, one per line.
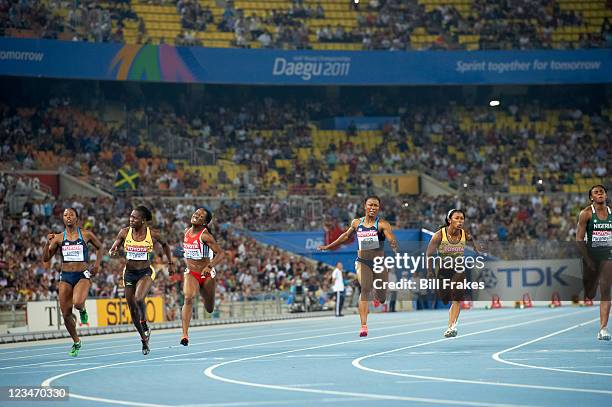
point(50, 237)
point(94, 269)
point(113, 252)
point(206, 271)
point(393, 244)
point(322, 248)
point(171, 268)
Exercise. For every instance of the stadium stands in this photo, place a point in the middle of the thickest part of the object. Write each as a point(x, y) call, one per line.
point(323, 25)
point(512, 150)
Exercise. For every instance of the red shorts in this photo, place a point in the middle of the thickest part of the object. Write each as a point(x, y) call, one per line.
point(199, 277)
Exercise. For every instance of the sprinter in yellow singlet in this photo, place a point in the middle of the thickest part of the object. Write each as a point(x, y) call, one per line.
point(449, 242)
point(138, 242)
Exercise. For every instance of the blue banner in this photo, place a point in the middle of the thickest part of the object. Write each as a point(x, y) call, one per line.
point(166, 63)
point(306, 243)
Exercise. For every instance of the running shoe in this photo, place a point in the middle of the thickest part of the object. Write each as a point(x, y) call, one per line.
point(376, 303)
point(84, 316)
point(603, 334)
point(145, 347)
point(184, 341)
point(146, 330)
point(364, 331)
point(76, 347)
point(450, 332)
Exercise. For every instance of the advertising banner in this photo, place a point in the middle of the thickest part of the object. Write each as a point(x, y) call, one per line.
point(167, 63)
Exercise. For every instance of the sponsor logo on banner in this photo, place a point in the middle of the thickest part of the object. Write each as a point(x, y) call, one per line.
point(115, 311)
point(510, 280)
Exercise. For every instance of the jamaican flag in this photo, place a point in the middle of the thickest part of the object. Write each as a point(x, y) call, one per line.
point(127, 178)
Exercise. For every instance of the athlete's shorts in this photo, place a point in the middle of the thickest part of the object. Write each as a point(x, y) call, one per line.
point(199, 277)
point(600, 276)
point(131, 277)
point(366, 276)
point(73, 277)
point(451, 293)
point(600, 254)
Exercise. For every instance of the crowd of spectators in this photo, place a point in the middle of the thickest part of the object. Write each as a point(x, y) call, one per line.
point(501, 222)
point(522, 24)
point(546, 158)
point(381, 24)
point(251, 267)
point(85, 21)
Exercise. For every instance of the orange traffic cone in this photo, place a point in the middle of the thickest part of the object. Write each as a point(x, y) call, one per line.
point(496, 302)
point(555, 300)
point(527, 301)
point(467, 303)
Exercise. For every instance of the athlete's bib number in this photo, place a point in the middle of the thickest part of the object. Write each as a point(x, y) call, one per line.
point(193, 254)
point(73, 253)
point(368, 240)
point(602, 238)
point(137, 256)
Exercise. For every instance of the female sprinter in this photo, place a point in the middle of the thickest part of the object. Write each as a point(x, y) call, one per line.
point(199, 246)
point(371, 235)
point(138, 241)
point(449, 241)
point(595, 223)
point(74, 279)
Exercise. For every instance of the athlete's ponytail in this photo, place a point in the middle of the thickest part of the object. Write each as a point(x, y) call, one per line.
point(146, 213)
point(209, 214)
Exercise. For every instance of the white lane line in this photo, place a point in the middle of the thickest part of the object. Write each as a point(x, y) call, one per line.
point(531, 359)
point(203, 343)
point(564, 351)
point(390, 322)
point(497, 356)
point(193, 341)
point(275, 402)
point(310, 384)
point(556, 367)
point(210, 371)
point(357, 363)
point(50, 380)
point(243, 328)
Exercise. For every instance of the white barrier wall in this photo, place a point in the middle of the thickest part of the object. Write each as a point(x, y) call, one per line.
point(46, 315)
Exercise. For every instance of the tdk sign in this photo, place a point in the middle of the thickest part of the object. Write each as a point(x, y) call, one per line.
point(535, 276)
point(306, 67)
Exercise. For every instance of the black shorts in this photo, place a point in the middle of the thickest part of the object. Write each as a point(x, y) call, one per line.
point(591, 278)
point(449, 293)
point(73, 277)
point(131, 277)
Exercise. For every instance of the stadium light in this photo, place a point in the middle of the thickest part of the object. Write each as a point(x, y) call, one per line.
point(494, 103)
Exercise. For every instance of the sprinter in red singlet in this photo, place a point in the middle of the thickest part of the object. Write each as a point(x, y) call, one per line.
point(202, 254)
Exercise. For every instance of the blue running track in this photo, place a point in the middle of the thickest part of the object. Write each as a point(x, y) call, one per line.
point(531, 357)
